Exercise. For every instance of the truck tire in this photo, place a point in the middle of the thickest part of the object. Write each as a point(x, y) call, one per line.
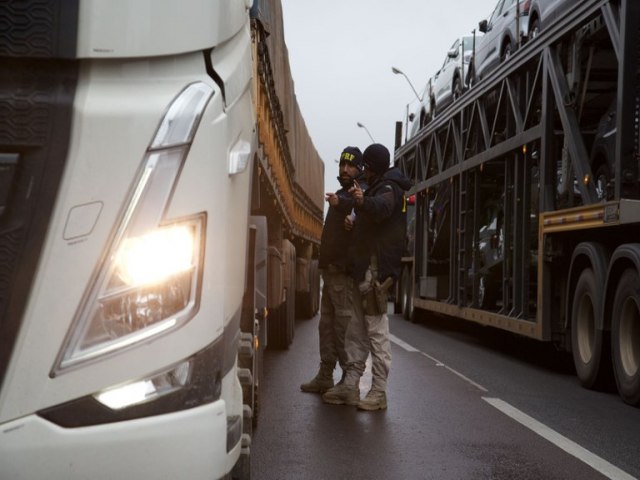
point(281, 321)
point(406, 294)
point(588, 347)
point(308, 303)
point(625, 337)
point(290, 251)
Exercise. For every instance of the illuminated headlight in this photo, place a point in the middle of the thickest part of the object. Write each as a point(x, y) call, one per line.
point(145, 390)
point(148, 282)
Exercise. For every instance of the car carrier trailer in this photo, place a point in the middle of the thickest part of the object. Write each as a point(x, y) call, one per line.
point(528, 196)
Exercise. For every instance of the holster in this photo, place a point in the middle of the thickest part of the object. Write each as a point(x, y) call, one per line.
point(374, 302)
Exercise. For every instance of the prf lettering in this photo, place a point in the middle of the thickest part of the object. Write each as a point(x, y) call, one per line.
point(347, 156)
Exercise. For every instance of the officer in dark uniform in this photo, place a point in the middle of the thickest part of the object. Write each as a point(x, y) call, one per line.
point(335, 308)
point(377, 247)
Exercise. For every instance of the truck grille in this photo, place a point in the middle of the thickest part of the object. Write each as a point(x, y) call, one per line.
point(37, 87)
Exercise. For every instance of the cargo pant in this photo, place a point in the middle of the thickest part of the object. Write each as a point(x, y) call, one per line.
point(368, 334)
point(335, 314)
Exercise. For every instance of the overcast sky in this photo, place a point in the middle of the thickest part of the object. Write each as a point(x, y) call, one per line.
point(341, 53)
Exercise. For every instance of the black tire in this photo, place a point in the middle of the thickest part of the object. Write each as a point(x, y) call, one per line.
point(279, 336)
point(487, 293)
point(506, 52)
point(534, 29)
point(456, 89)
point(315, 287)
point(397, 298)
point(281, 319)
point(588, 346)
point(602, 176)
point(471, 76)
point(291, 296)
point(625, 337)
point(307, 303)
point(406, 294)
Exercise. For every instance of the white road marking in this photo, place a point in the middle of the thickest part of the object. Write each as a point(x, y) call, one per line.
point(409, 348)
point(594, 461)
point(402, 343)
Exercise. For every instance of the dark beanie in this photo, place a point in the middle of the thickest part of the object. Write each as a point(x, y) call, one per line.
point(376, 158)
point(353, 155)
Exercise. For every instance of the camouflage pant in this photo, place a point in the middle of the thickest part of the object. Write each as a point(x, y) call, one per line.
point(335, 314)
point(368, 334)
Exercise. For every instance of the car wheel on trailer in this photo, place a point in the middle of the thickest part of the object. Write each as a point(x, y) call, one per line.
point(534, 30)
point(590, 351)
point(602, 177)
point(625, 337)
point(506, 52)
point(457, 89)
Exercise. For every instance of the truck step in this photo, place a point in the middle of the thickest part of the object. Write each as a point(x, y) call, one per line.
point(245, 377)
point(245, 345)
point(247, 413)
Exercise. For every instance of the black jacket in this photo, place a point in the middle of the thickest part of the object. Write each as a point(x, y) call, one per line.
point(381, 226)
point(335, 240)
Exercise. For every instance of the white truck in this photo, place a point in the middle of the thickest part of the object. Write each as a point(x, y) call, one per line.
point(131, 315)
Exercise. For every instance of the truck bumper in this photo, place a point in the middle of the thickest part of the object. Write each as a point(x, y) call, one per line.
point(187, 444)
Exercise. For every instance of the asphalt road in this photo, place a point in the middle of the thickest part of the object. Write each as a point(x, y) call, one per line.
point(465, 402)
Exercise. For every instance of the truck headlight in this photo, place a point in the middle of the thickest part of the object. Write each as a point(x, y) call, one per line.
point(149, 279)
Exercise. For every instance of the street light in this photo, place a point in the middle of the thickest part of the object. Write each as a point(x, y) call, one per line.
point(397, 71)
point(366, 130)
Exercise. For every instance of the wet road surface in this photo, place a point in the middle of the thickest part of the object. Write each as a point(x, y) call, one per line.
point(463, 404)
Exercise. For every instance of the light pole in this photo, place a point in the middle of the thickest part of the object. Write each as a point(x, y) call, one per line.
point(397, 71)
point(366, 130)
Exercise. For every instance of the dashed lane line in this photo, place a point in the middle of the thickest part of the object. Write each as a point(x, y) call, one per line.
point(594, 461)
point(410, 348)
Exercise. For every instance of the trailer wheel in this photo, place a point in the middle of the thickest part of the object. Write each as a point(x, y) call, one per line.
point(290, 307)
point(590, 351)
point(307, 303)
point(625, 336)
point(406, 294)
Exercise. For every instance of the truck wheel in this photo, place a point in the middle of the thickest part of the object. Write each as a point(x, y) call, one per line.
point(281, 320)
point(307, 303)
point(315, 287)
point(587, 345)
point(291, 295)
point(625, 337)
point(407, 294)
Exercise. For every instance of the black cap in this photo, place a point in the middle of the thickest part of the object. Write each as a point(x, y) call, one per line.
point(353, 155)
point(376, 158)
